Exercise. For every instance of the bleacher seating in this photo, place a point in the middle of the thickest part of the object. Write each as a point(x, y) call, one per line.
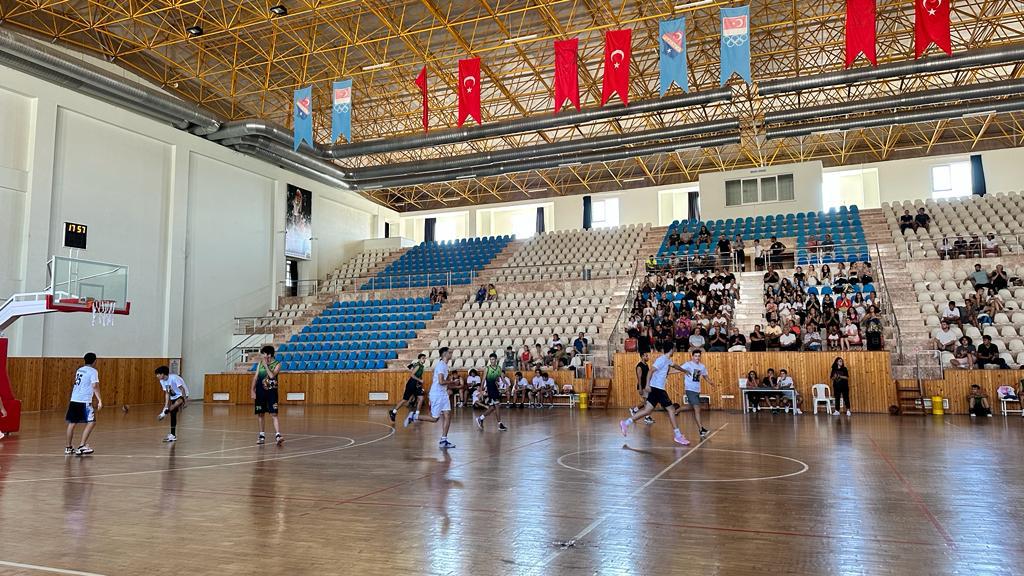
point(356, 267)
point(843, 224)
point(357, 335)
point(1000, 214)
point(564, 255)
point(284, 316)
point(439, 263)
point(521, 318)
point(935, 290)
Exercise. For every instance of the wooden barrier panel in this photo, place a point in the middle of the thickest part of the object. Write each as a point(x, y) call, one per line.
point(45, 383)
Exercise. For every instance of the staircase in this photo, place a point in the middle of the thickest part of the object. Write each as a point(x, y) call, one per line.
point(750, 306)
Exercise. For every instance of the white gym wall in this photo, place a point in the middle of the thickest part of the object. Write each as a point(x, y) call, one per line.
point(200, 226)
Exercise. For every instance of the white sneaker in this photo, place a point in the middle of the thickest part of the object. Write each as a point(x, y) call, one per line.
point(989, 415)
point(170, 438)
point(836, 413)
point(479, 422)
point(848, 413)
point(974, 415)
point(633, 411)
point(799, 411)
point(84, 450)
point(163, 414)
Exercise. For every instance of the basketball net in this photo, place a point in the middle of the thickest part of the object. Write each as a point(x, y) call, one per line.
point(103, 312)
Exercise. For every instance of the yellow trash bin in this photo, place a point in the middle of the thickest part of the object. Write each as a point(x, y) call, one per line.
point(583, 401)
point(937, 406)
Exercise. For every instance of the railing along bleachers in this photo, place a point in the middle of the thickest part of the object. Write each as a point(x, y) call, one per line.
point(844, 225)
point(439, 263)
point(568, 254)
point(357, 335)
point(345, 276)
point(518, 318)
point(999, 214)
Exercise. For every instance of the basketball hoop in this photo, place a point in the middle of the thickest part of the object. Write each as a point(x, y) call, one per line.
point(103, 312)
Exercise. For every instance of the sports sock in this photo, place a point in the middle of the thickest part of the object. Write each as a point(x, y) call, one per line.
point(678, 433)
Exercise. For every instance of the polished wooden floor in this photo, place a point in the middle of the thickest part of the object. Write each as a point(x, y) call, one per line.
point(560, 493)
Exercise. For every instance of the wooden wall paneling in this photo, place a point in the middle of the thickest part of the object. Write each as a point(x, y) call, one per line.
point(26, 375)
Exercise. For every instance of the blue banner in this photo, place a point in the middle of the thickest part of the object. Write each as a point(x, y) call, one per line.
point(341, 110)
point(736, 43)
point(672, 51)
point(303, 116)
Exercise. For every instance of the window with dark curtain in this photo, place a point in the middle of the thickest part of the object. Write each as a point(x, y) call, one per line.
point(977, 176)
point(428, 229)
point(693, 205)
point(588, 213)
point(540, 220)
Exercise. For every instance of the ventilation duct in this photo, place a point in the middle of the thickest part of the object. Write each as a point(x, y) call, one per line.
point(1011, 54)
point(994, 90)
point(908, 117)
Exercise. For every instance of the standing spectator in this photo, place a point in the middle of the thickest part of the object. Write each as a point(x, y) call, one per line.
point(978, 402)
point(741, 256)
point(922, 220)
point(839, 375)
point(724, 250)
point(758, 255)
point(991, 246)
point(946, 249)
point(777, 248)
point(907, 222)
point(988, 353)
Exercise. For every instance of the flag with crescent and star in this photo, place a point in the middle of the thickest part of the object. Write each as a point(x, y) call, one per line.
point(860, 31)
point(567, 74)
point(931, 24)
point(672, 54)
point(736, 43)
point(302, 118)
point(618, 49)
point(341, 110)
point(469, 90)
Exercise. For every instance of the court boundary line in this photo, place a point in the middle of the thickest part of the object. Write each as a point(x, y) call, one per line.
point(805, 466)
point(39, 568)
point(601, 519)
point(914, 496)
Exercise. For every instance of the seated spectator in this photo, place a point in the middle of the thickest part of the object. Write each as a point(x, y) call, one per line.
point(812, 338)
point(874, 331)
point(673, 238)
point(718, 341)
point(828, 245)
point(522, 391)
point(977, 402)
point(473, 382)
point(581, 344)
point(988, 354)
point(789, 341)
point(944, 338)
point(757, 340)
point(951, 314)
point(800, 278)
point(481, 295)
point(651, 265)
point(492, 293)
point(685, 238)
point(980, 278)
point(907, 222)
point(442, 294)
point(771, 280)
point(575, 362)
point(922, 219)
point(851, 335)
point(548, 389)
point(946, 249)
point(758, 255)
point(433, 295)
point(539, 358)
point(991, 246)
point(963, 354)
point(786, 383)
point(704, 235)
point(509, 362)
point(813, 246)
point(772, 333)
point(974, 247)
point(959, 247)
point(752, 382)
point(556, 341)
point(770, 382)
point(525, 358)
point(835, 338)
point(697, 341)
point(737, 341)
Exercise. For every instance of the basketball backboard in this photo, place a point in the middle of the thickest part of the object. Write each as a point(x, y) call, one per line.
point(75, 284)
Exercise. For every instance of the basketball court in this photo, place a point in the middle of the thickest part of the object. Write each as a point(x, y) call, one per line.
point(556, 494)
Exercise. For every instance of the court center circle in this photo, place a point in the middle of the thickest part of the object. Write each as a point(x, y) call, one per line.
point(803, 465)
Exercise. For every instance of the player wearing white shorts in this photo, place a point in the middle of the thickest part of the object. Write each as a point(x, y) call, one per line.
point(440, 402)
point(656, 394)
point(80, 410)
point(175, 398)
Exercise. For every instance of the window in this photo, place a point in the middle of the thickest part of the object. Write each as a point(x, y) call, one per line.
point(951, 180)
point(757, 190)
point(850, 187)
point(445, 229)
point(524, 225)
point(604, 213)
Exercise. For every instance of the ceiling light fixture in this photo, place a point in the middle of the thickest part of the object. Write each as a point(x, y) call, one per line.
point(376, 66)
point(194, 31)
point(466, 177)
point(279, 10)
point(691, 5)
point(521, 39)
point(687, 149)
point(981, 114)
point(567, 164)
point(827, 132)
point(536, 190)
point(641, 179)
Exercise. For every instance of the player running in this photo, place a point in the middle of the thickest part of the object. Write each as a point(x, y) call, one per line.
point(175, 398)
point(440, 402)
point(413, 396)
point(695, 370)
point(643, 373)
point(656, 394)
point(80, 410)
point(492, 373)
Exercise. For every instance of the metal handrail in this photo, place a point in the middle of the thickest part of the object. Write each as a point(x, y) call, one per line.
point(628, 303)
point(1006, 246)
point(891, 310)
point(299, 288)
point(236, 353)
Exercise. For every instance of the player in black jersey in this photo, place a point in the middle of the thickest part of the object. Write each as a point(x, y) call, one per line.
point(643, 374)
point(413, 396)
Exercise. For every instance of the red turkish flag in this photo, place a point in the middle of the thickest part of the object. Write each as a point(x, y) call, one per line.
point(567, 76)
point(421, 81)
point(931, 24)
point(617, 53)
point(860, 30)
point(469, 90)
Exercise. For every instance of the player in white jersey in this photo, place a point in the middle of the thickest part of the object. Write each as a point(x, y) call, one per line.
point(175, 398)
point(695, 370)
point(440, 402)
point(656, 394)
point(80, 410)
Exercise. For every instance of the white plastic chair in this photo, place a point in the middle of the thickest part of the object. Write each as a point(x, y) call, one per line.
point(1007, 396)
point(822, 394)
